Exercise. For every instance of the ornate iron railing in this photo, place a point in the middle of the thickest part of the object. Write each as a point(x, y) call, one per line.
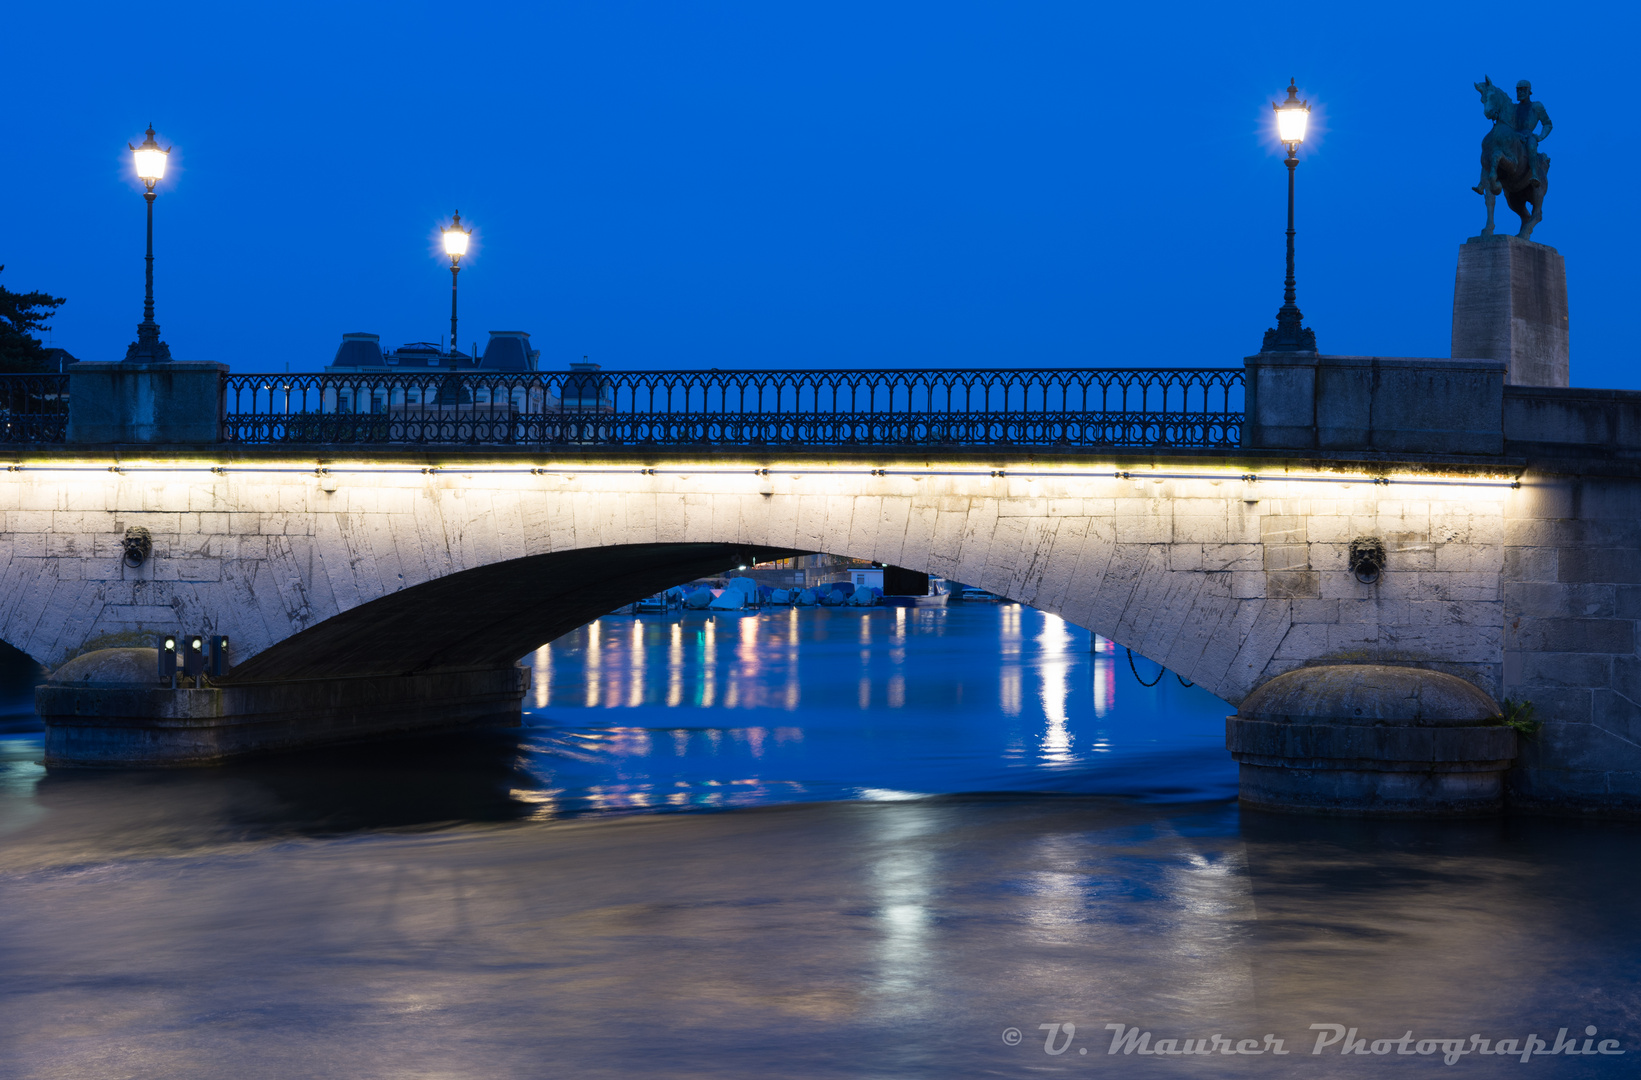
point(1065, 407)
point(33, 408)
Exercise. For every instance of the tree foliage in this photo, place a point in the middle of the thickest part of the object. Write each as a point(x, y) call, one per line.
point(22, 315)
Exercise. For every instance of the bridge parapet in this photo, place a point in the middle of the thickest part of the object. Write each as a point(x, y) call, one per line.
point(1052, 408)
point(1543, 422)
point(1322, 405)
point(1395, 405)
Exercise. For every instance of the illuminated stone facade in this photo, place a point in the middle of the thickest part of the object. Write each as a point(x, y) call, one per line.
point(374, 568)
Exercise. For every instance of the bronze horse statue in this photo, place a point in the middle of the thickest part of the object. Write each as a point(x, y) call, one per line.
point(1510, 161)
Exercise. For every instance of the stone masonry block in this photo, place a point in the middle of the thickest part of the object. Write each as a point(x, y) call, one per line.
point(1158, 616)
point(921, 523)
point(1232, 557)
point(1571, 635)
point(1616, 565)
point(1201, 529)
point(1143, 521)
point(69, 545)
point(1303, 642)
point(29, 521)
point(1358, 610)
point(1278, 529)
point(43, 496)
point(1625, 677)
point(1469, 557)
point(1449, 644)
point(1560, 600)
point(1329, 557)
point(1590, 532)
point(1212, 606)
point(1333, 529)
point(1565, 669)
point(1457, 586)
point(1337, 585)
point(1315, 611)
point(1530, 564)
point(1287, 557)
point(1530, 532)
point(1441, 613)
point(1222, 647)
point(1184, 557)
point(1351, 640)
point(1022, 507)
point(28, 546)
point(1282, 584)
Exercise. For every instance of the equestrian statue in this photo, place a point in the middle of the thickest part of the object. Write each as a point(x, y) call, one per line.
point(1510, 161)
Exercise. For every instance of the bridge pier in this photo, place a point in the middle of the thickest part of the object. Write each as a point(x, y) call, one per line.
point(1371, 740)
point(107, 709)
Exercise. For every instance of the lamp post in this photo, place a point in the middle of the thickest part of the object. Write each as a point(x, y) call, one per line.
point(1290, 334)
point(150, 162)
point(455, 246)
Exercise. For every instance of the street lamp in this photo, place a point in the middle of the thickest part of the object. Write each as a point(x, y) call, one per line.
point(455, 246)
point(1291, 335)
point(150, 162)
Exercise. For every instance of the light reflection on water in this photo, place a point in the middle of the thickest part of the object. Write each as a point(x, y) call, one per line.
point(702, 712)
point(358, 910)
point(797, 705)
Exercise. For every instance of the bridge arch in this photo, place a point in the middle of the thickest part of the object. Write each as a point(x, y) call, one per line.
point(398, 570)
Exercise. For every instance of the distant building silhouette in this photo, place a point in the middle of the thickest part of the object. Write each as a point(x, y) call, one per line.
point(59, 359)
point(506, 351)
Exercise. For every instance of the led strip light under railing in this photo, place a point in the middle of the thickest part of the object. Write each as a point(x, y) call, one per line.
point(580, 470)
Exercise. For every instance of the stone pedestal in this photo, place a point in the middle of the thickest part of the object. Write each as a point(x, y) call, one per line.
point(107, 709)
point(1510, 304)
point(179, 402)
point(1371, 740)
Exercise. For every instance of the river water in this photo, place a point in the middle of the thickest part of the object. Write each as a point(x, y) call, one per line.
point(851, 843)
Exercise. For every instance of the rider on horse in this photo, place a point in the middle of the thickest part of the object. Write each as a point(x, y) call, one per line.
point(1524, 120)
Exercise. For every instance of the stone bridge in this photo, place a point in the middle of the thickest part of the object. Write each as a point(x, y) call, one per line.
point(405, 583)
point(383, 568)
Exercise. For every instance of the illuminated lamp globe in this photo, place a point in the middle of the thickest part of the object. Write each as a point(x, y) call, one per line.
point(455, 238)
point(150, 159)
point(1292, 116)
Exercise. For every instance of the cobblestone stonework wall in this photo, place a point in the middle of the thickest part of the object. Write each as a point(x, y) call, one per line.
point(1225, 582)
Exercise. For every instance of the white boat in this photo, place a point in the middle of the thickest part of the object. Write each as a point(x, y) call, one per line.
point(914, 601)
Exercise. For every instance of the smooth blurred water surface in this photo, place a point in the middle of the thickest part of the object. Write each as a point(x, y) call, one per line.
point(815, 844)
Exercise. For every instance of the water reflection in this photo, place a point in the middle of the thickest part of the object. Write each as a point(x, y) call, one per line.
point(891, 937)
point(699, 712)
point(1053, 643)
point(358, 910)
point(889, 699)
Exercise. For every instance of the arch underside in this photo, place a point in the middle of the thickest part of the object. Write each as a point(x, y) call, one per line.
point(490, 615)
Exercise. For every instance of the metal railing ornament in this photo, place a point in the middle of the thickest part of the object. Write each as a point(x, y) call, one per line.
point(33, 408)
point(1046, 408)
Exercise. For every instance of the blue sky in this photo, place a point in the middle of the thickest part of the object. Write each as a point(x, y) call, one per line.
point(757, 185)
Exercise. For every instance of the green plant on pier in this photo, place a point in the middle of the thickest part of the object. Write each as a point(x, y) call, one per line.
point(1519, 715)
